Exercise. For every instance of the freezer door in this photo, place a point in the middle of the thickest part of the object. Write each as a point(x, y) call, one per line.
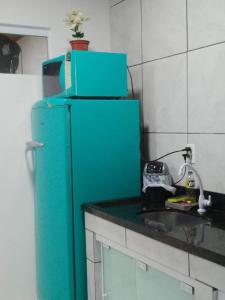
point(106, 161)
point(53, 203)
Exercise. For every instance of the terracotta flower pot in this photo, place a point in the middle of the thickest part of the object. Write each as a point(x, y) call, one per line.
point(79, 44)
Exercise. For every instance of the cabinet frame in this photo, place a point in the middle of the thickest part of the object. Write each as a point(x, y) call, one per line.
point(100, 236)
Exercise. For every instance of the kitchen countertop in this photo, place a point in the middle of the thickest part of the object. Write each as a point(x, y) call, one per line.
point(205, 240)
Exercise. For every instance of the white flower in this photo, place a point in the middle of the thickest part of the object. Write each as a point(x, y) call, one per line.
point(74, 19)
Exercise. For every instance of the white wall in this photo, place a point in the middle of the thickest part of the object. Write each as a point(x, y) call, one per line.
point(17, 276)
point(18, 93)
point(51, 14)
point(97, 29)
point(34, 50)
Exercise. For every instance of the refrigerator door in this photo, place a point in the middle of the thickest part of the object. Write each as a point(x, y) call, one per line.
point(106, 162)
point(53, 203)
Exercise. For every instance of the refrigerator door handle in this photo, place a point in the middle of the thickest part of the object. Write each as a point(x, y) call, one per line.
point(30, 146)
point(33, 145)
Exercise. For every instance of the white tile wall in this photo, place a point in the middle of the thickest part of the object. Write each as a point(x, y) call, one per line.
point(210, 160)
point(165, 95)
point(206, 89)
point(183, 94)
point(164, 28)
point(126, 30)
point(206, 22)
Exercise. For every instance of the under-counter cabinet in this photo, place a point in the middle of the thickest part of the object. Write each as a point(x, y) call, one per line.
point(116, 271)
point(125, 278)
point(210, 273)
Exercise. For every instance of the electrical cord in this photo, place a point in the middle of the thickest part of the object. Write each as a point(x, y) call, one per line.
point(187, 149)
point(131, 81)
point(181, 177)
point(177, 151)
point(186, 155)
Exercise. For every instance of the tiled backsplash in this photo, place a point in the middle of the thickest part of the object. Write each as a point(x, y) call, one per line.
point(164, 28)
point(176, 55)
point(125, 31)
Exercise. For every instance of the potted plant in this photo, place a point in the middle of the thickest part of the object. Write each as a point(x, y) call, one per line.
point(74, 20)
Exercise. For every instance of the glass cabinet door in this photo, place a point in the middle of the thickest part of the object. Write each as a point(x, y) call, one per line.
point(119, 275)
point(152, 284)
point(124, 278)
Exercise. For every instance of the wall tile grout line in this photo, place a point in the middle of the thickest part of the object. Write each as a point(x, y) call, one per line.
point(196, 133)
point(187, 30)
point(206, 46)
point(142, 74)
point(187, 71)
point(176, 54)
point(164, 57)
point(117, 3)
point(212, 133)
point(162, 132)
point(136, 65)
point(187, 96)
point(143, 142)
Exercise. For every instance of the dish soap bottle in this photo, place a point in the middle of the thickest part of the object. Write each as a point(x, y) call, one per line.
point(190, 186)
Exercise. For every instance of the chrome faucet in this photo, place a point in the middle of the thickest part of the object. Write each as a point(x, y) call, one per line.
point(202, 201)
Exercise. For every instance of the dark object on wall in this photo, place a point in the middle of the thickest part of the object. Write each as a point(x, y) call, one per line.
point(9, 55)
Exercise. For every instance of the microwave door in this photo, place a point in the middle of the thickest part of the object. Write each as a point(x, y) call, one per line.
point(51, 79)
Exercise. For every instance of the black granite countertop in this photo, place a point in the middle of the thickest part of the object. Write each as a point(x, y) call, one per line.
point(205, 240)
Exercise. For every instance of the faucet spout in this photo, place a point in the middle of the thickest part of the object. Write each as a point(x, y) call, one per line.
point(202, 201)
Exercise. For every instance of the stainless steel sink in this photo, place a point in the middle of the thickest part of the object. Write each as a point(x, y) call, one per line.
point(169, 220)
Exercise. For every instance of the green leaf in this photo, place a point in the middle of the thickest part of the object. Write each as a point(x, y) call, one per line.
point(78, 35)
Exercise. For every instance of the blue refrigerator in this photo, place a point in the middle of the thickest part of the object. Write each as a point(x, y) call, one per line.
point(85, 150)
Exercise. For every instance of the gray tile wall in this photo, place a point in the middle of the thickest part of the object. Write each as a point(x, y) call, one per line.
point(176, 55)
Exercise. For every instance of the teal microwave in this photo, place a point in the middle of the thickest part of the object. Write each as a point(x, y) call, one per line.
point(86, 74)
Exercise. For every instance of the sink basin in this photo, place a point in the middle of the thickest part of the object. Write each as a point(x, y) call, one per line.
point(169, 220)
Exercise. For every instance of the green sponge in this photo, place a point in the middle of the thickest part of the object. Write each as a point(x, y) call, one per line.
point(182, 198)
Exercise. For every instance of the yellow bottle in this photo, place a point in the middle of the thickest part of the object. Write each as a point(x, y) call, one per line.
point(190, 185)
